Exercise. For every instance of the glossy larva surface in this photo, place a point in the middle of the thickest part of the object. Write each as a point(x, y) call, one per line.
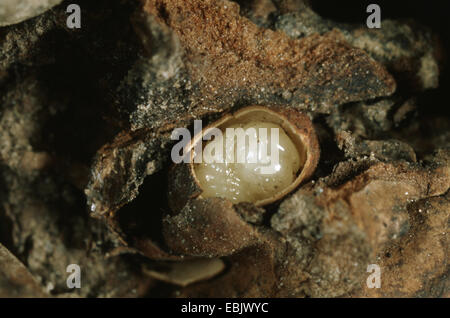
point(248, 181)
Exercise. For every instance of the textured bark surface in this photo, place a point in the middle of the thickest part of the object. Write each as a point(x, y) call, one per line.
point(85, 122)
point(12, 12)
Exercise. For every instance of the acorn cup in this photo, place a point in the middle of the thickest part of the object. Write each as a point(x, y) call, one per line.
point(204, 193)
